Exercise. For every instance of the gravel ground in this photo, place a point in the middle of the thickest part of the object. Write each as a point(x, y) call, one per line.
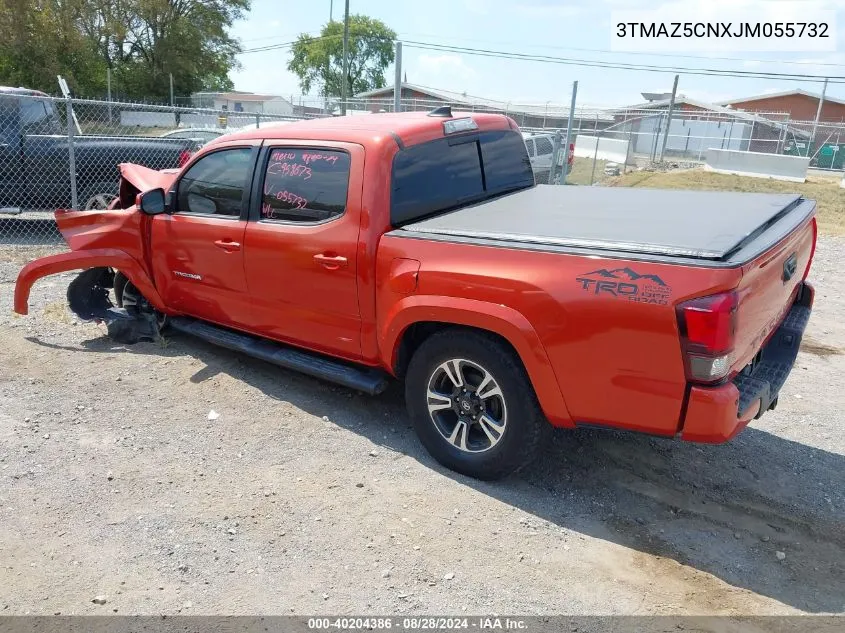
point(305, 498)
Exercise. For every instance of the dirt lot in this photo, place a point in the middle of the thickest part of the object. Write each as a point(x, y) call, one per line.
point(304, 498)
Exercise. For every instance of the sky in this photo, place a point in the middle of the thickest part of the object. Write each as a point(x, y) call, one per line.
point(560, 28)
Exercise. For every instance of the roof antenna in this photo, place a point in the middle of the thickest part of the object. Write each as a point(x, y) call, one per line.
point(444, 111)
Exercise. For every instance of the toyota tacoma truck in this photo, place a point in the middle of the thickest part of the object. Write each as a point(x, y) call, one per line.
point(417, 247)
point(35, 156)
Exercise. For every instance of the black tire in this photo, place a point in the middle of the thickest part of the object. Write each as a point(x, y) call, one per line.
point(97, 195)
point(525, 425)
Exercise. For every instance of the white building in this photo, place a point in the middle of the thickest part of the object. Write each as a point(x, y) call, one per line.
point(247, 102)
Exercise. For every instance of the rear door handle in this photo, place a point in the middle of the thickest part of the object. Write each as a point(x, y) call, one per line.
point(228, 245)
point(331, 262)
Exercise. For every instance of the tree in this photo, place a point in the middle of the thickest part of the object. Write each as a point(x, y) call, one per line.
point(141, 41)
point(318, 61)
point(36, 45)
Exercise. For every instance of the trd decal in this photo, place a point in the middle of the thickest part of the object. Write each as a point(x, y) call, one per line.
point(625, 283)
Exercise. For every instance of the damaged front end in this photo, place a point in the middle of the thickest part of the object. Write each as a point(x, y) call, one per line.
point(111, 247)
point(133, 319)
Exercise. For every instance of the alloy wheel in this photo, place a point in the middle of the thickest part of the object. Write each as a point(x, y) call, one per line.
point(466, 405)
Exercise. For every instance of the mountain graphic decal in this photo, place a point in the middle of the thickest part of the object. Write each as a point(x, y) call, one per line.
point(626, 273)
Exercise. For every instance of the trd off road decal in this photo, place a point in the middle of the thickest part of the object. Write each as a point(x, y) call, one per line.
point(624, 283)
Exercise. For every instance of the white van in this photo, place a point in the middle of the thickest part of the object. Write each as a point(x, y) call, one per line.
point(540, 149)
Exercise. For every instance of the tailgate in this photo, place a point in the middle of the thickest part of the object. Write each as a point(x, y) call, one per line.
point(768, 288)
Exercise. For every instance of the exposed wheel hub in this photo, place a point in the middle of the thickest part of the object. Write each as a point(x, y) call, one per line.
point(467, 403)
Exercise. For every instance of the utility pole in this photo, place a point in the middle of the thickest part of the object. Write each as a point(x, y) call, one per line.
point(345, 80)
point(818, 116)
point(556, 151)
point(331, 10)
point(669, 117)
point(171, 90)
point(397, 79)
point(569, 134)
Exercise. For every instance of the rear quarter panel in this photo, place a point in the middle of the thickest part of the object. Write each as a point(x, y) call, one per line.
point(606, 327)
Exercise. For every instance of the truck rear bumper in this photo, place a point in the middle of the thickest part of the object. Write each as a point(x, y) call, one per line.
point(716, 414)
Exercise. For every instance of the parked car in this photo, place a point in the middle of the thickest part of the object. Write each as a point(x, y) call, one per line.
point(35, 156)
point(201, 135)
point(540, 149)
point(418, 247)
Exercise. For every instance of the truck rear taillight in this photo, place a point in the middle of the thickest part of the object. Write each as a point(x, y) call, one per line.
point(570, 158)
point(184, 157)
point(708, 326)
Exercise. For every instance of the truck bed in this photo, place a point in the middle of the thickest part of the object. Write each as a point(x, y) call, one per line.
point(722, 228)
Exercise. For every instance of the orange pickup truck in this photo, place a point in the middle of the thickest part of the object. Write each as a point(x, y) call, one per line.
point(418, 247)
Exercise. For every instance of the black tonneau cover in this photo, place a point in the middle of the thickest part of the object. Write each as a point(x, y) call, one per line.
point(694, 224)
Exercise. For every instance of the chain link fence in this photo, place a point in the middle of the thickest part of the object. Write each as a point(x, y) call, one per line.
point(64, 153)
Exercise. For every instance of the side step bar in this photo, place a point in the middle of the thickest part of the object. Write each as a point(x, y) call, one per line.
point(370, 381)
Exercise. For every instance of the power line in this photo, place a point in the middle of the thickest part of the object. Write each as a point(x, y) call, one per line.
point(748, 74)
point(311, 38)
point(571, 61)
point(608, 52)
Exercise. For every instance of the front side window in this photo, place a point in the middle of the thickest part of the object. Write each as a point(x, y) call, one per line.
point(305, 185)
point(214, 185)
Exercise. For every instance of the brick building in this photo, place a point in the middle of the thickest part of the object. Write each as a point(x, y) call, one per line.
point(801, 105)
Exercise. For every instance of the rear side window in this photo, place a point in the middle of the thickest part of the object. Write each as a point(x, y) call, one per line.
point(305, 185)
point(449, 172)
point(38, 117)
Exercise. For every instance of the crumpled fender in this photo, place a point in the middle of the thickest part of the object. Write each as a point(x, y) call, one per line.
point(144, 178)
point(76, 260)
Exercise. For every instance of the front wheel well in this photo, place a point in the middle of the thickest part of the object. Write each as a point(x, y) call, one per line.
point(417, 333)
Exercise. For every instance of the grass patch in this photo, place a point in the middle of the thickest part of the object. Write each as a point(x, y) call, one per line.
point(825, 190)
point(581, 170)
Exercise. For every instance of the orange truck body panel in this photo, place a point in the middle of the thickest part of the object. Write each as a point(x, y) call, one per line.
point(592, 357)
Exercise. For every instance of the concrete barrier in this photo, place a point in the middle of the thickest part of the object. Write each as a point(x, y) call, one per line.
point(609, 148)
point(757, 165)
point(131, 118)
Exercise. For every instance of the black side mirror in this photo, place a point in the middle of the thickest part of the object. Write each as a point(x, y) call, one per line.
point(151, 202)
